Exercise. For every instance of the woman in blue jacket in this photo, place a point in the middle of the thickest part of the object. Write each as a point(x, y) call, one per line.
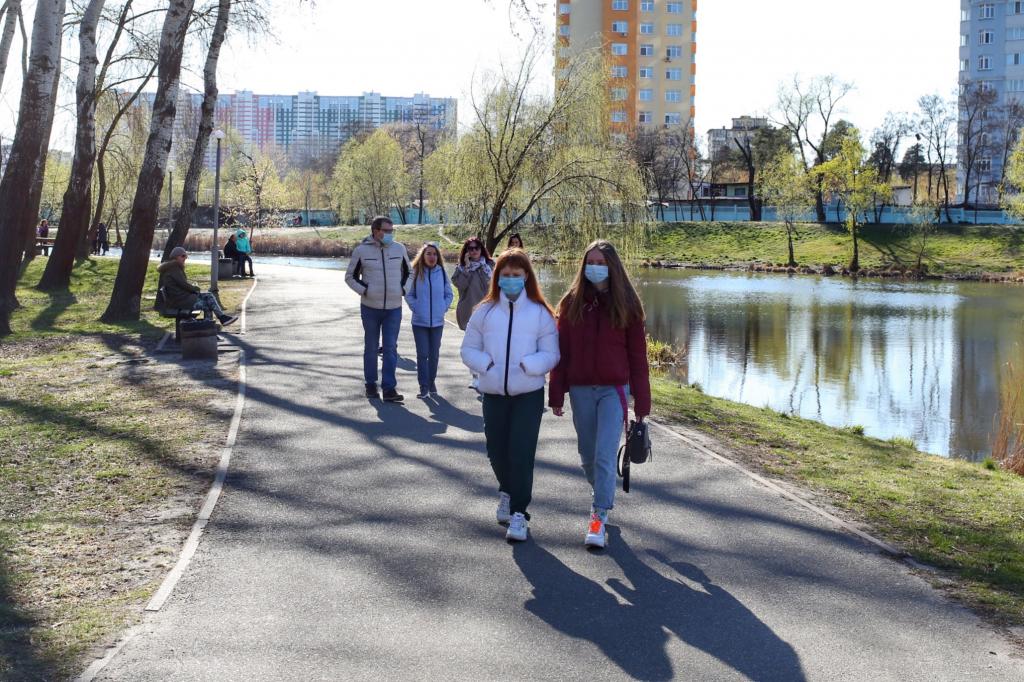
point(429, 296)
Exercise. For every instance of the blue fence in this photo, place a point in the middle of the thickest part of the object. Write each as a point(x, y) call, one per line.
point(890, 215)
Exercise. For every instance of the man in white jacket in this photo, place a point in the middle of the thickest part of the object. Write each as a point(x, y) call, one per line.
point(378, 271)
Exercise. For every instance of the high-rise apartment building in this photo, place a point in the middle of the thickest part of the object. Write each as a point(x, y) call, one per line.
point(310, 126)
point(743, 131)
point(991, 57)
point(652, 50)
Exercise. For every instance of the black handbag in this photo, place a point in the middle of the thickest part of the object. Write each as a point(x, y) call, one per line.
point(636, 450)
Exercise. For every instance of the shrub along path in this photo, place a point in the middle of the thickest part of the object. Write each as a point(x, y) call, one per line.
point(357, 540)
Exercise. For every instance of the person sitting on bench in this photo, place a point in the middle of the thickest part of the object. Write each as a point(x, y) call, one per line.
point(181, 294)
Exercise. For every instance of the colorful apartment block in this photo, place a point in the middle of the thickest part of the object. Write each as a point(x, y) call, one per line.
point(651, 46)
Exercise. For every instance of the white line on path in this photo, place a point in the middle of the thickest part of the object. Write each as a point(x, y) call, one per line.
point(192, 543)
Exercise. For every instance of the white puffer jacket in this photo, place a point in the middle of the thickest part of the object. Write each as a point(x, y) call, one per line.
point(511, 346)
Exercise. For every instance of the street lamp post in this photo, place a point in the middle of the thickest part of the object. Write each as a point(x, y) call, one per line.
point(214, 249)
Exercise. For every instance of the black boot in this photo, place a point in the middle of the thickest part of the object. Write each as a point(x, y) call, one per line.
point(393, 396)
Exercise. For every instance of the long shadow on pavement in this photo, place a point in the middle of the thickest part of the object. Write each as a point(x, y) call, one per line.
point(634, 635)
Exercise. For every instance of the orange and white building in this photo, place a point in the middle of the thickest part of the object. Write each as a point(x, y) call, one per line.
point(652, 52)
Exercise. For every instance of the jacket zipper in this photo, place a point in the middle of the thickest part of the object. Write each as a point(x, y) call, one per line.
point(384, 271)
point(508, 343)
point(430, 281)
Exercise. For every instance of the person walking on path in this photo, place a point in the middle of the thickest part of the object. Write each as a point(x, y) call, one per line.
point(472, 277)
point(181, 294)
point(244, 253)
point(429, 298)
point(511, 342)
point(102, 239)
point(603, 348)
point(515, 241)
point(42, 232)
point(378, 270)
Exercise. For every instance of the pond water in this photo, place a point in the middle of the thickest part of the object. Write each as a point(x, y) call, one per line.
point(918, 360)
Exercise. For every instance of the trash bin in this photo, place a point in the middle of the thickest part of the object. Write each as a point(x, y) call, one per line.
point(199, 340)
point(226, 269)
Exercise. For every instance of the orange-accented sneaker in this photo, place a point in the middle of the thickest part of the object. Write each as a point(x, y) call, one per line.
point(597, 535)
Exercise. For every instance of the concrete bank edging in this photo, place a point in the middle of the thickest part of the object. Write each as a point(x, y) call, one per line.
point(188, 550)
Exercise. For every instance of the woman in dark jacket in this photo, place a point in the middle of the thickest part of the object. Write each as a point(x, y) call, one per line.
point(231, 251)
point(603, 349)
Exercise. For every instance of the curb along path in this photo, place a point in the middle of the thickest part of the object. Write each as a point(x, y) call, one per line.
point(356, 540)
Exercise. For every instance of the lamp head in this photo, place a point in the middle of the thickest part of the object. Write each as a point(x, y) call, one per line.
point(218, 134)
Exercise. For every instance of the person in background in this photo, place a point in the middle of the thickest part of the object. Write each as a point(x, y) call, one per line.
point(429, 297)
point(511, 342)
point(181, 294)
point(102, 239)
point(378, 270)
point(231, 251)
point(515, 241)
point(603, 348)
point(43, 232)
point(472, 277)
point(244, 253)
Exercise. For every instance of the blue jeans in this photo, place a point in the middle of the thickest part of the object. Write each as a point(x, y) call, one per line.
point(378, 324)
point(428, 353)
point(597, 416)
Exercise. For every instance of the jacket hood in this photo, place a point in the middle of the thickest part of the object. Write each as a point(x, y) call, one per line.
point(240, 233)
point(168, 266)
point(369, 240)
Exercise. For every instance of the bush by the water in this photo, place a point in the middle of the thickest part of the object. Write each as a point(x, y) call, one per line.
point(661, 355)
point(271, 243)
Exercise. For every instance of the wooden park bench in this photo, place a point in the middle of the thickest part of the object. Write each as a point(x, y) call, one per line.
point(179, 314)
point(44, 244)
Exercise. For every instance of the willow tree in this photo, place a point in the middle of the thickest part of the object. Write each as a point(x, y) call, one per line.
point(529, 151)
point(852, 179)
point(371, 176)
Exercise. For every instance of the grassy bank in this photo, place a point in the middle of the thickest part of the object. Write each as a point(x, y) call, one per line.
point(962, 517)
point(106, 454)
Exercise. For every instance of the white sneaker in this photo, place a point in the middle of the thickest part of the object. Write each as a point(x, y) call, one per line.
point(517, 528)
point(503, 514)
point(597, 534)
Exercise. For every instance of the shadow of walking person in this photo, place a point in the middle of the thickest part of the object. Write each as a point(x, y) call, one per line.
point(634, 635)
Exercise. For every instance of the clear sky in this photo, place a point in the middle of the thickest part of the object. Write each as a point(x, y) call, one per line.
point(893, 50)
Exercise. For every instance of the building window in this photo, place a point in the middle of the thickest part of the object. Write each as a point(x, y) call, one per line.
point(645, 95)
point(647, 72)
point(674, 30)
point(1017, 7)
point(988, 11)
point(619, 49)
point(965, 65)
point(620, 26)
point(963, 40)
point(673, 118)
point(1014, 59)
point(673, 96)
point(1015, 85)
point(646, 29)
point(563, 8)
point(740, 192)
point(645, 117)
point(618, 94)
point(647, 50)
point(621, 5)
point(987, 37)
point(673, 51)
point(984, 63)
point(674, 7)
point(674, 74)
point(563, 30)
point(646, 5)
point(618, 117)
point(985, 164)
point(620, 72)
point(1015, 33)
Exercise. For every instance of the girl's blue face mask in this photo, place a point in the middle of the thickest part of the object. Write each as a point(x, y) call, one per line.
point(596, 273)
point(512, 286)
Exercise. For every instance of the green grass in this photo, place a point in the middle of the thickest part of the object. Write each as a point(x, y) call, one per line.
point(963, 517)
point(105, 454)
point(951, 250)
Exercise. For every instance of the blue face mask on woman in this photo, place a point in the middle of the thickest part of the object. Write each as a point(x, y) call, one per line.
point(512, 286)
point(596, 273)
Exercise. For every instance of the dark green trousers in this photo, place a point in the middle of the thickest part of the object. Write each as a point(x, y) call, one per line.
point(512, 425)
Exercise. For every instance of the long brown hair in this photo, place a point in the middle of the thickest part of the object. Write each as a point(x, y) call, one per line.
point(516, 258)
point(418, 264)
point(484, 255)
point(625, 306)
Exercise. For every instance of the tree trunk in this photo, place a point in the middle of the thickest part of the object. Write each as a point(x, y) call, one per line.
point(25, 164)
point(77, 206)
point(28, 247)
point(126, 299)
point(190, 190)
point(855, 261)
point(7, 37)
point(819, 200)
point(789, 239)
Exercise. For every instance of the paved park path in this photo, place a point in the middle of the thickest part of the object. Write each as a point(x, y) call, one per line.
point(356, 541)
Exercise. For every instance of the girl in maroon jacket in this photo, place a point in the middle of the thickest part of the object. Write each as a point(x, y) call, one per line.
point(603, 347)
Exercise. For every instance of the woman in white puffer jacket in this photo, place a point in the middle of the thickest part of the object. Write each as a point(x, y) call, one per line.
point(511, 342)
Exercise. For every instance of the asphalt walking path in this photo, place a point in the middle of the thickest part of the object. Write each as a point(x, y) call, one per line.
point(357, 541)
